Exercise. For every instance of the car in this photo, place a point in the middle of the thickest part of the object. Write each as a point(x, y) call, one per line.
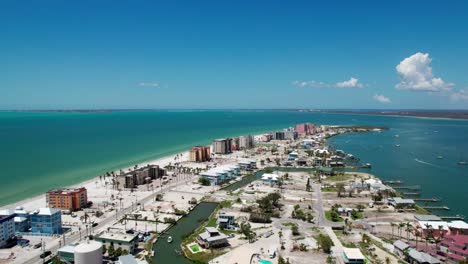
point(45, 254)
point(94, 224)
point(38, 245)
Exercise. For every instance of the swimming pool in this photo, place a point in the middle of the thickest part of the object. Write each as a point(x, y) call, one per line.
point(264, 261)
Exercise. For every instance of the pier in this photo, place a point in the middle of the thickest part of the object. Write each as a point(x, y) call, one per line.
point(413, 188)
point(412, 194)
point(393, 182)
point(433, 200)
point(436, 208)
point(457, 217)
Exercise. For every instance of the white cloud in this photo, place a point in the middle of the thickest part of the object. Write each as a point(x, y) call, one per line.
point(416, 74)
point(148, 84)
point(460, 95)
point(382, 99)
point(351, 83)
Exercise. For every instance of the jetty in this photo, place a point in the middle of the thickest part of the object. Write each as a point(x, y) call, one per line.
point(436, 208)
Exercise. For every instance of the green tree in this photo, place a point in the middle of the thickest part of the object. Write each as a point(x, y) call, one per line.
point(308, 187)
point(325, 243)
point(340, 189)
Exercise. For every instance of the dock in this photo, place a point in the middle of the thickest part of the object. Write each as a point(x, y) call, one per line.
point(433, 200)
point(413, 188)
point(436, 208)
point(457, 217)
point(393, 182)
point(412, 194)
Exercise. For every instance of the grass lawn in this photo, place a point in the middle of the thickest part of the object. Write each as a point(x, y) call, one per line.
point(329, 189)
point(328, 216)
point(340, 177)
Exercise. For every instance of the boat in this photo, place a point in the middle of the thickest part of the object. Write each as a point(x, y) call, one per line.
point(462, 162)
point(397, 135)
point(366, 166)
point(169, 239)
point(440, 157)
point(397, 145)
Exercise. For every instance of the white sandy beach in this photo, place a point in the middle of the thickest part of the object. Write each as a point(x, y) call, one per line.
point(39, 201)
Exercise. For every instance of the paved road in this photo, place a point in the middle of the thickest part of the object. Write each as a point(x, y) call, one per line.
point(321, 220)
point(73, 238)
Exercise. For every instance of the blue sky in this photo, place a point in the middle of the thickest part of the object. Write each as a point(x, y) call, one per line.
point(233, 54)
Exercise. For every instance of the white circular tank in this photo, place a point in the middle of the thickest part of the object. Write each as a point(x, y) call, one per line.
point(89, 252)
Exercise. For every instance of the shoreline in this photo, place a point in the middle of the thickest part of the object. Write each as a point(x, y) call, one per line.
point(396, 115)
point(38, 201)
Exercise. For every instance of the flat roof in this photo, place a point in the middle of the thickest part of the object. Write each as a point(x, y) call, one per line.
point(117, 236)
point(353, 253)
point(458, 224)
point(420, 217)
point(433, 225)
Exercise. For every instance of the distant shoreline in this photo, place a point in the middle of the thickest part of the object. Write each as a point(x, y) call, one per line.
point(443, 114)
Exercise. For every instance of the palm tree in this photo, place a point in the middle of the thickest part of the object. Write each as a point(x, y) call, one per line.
point(387, 260)
point(417, 234)
point(400, 227)
point(393, 226)
point(408, 230)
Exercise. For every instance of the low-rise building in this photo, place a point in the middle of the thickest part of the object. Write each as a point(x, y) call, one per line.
point(401, 203)
point(46, 221)
point(22, 218)
point(140, 176)
point(417, 257)
point(432, 228)
point(293, 156)
point(221, 174)
point(454, 248)
point(212, 238)
point(200, 154)
point(270, 177)
point(72, 199)
point(247, 164)
point(7, 230)
point(118, 239)
point(458, 227)
point(353, 256)
point(400, 247)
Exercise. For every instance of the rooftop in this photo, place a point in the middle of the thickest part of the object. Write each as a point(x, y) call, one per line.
point(458, 224)
point(420, 217)
point(117, 235)
point(46, 211)
point(353, 253)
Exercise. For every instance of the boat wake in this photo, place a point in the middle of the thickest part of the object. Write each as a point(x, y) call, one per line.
point(429, 164)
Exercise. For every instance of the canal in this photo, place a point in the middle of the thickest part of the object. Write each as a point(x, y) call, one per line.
point(169, 253)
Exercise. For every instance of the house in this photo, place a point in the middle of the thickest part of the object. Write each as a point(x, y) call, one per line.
point(326, 171)
point(293, 156)
point(454, 248)
point(417, 257)
point(400, 203)
point(118, 239)
point(226, 221)
point(270, 177)
point(129, 259)
point(212, 238)
point(301, 162)
point(346, 212)
point(353, 256)
point(399, 248)
point(247, 165)
point(46, 221)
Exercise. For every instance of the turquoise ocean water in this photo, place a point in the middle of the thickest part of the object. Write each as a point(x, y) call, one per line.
point(39, 151)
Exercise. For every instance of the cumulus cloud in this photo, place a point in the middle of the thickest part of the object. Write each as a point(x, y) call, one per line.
point(460, 95)
point(148, 84)
point(381, 98)
point(416, 74)
point(351, 83)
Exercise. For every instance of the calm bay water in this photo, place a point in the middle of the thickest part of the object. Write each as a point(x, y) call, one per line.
point(39, 151)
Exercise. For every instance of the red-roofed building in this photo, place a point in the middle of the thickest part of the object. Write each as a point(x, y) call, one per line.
point(454, 247)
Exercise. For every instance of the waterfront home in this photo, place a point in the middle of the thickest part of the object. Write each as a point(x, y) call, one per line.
point(7, 230)
point(247, 164)
point(301, 162)
point(212, 238)
point(226, 221)
point(46, 221)
point(458, 227)
point(434, 228)
point(454, 248)
point(317, 161)
point(400, 203)
point(129, 259)
point(270, 178)
point(346, 212)
point(417, 257)
point(221, 174)
point(222, 146)
point(399, 248)
point(352, 256)
point(326, 171)
point(118, 239)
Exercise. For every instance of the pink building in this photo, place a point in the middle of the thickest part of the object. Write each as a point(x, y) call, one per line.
point(454, 248)
point(305, 129)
